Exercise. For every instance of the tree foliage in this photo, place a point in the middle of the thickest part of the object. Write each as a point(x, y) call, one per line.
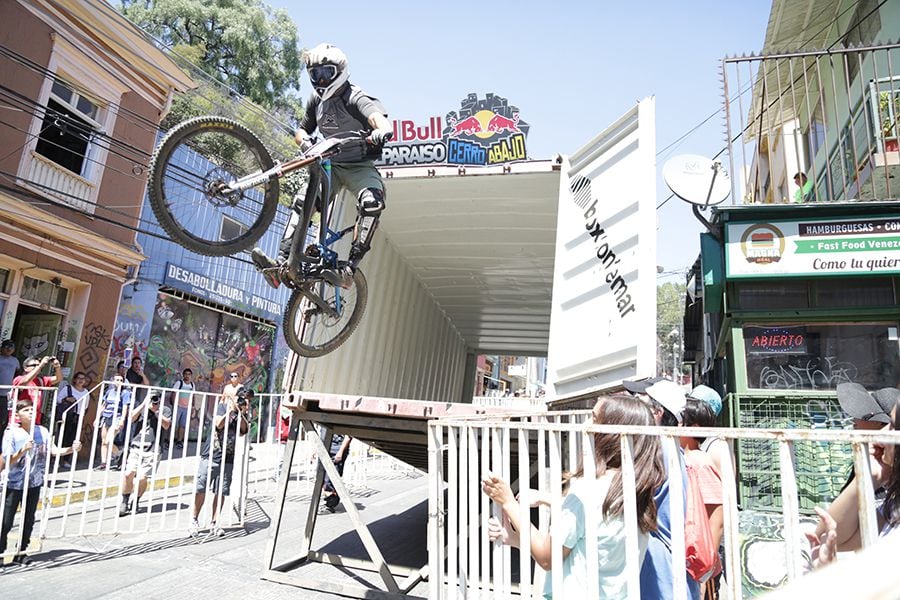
point(669, 318)
point(244, 57)
point(244, 44)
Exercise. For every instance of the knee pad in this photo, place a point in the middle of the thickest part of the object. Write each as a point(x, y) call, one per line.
point(370, 202)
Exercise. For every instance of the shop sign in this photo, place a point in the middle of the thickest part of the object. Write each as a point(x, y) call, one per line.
point(775, 340)
point(210, 288)
point(818, 247)
point(482, 132)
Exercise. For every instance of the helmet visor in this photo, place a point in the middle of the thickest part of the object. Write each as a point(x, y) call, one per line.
point(323, 75)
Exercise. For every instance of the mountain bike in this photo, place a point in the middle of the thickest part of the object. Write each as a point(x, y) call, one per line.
point(214, 189)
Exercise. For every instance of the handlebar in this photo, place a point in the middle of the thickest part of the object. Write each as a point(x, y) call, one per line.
point(332, 146)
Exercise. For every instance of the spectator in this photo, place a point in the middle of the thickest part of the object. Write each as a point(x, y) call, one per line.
point(885, 463)
point(804, 191)
point(282, 433)
point(121, 370)
point(716, 447)
point(9, 364)
point(136, 376)
point(25, 450)
point(31, 380)
point(148, 420)
point(340, 449)
point(217, 456)
point(185, 410)
point(698, 413)
point(667, 401)
point(73, 398)
point(230, 391)
point(111, 420)
point(604, 495)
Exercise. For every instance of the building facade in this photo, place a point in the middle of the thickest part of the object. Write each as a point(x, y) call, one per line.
point(797, 286)
point(86, 92)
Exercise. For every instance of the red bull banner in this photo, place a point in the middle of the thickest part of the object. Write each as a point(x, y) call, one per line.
point(487, 131)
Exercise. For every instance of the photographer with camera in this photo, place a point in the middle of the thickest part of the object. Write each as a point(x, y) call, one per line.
point(217, 454)
point(148, 421)
point(29, 382)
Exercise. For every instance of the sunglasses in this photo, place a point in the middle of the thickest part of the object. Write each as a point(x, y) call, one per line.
point(322, 74)
point(32, 365)
point(234, 376)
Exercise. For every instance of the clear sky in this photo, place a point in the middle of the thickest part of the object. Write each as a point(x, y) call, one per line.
point(572, 68)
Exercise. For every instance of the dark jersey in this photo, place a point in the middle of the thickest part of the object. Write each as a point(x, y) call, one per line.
point(218, 437)
point(344, 113)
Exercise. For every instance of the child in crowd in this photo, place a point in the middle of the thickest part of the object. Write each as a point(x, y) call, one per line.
point(25, 450)
point(604, 495)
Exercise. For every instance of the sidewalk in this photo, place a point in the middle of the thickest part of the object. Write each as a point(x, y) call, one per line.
point(163, 565)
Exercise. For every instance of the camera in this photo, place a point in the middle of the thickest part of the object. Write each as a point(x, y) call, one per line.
point(242, 396)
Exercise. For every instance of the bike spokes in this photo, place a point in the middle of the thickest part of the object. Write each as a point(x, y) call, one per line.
point(190, 180)
point(320, 318)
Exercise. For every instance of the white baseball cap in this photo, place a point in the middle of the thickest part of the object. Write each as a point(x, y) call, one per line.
point(670, 395)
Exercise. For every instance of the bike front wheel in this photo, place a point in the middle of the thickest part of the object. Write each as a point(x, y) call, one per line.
point(311, 332)
point(193, 164)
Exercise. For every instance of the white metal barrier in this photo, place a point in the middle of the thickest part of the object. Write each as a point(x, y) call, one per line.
point(534, 450)
point(82, 500)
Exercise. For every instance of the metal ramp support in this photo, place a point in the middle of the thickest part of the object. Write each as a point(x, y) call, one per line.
point(281, 573)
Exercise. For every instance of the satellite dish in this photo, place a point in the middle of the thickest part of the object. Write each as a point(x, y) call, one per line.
point(697, 179)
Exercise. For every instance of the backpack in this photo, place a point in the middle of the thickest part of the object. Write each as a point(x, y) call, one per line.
point(701, 555)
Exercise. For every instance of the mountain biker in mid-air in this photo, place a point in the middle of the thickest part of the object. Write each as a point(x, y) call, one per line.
point(337, 108)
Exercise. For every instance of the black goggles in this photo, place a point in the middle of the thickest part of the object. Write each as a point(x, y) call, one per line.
point(323, 74)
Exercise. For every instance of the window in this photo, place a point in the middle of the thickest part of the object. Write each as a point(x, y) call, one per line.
point(45, 292)
point(68, 128)
point(66, 151)
point(839, 293)
point(231, 229)
point(4, 281)
point(885, 99)
point(772, 295)
point(816, 293)
point(820, 356)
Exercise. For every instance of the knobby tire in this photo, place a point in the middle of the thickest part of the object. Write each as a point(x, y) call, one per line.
point(291, 316)
point(159, 163)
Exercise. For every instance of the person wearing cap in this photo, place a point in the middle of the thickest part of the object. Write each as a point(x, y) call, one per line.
point(9, 364)
point(149, 420)
point(885, 465)
point(716, 447)
point(667, 401)
point(702, 413)
point(869, 411)
point(31, 380)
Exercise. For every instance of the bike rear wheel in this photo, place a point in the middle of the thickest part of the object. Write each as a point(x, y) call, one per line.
point(192, 162)
point(310, 332)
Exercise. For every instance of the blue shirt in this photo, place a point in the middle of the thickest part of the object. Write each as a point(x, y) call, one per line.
point(35, 460)
point(112, 398)
point(656, 571)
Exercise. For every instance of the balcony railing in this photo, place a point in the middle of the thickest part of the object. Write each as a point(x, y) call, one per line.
point(830, 116)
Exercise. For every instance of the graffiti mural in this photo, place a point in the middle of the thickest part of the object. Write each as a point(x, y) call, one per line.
point(96, 347)
point(132, 330)
point(210, 343)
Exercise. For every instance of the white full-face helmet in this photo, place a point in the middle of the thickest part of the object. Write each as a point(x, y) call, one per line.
point(327, 69)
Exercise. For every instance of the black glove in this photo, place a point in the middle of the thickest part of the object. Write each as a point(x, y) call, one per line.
point(379, 137)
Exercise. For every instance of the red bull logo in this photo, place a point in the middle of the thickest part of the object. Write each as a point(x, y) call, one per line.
point(484, 131)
